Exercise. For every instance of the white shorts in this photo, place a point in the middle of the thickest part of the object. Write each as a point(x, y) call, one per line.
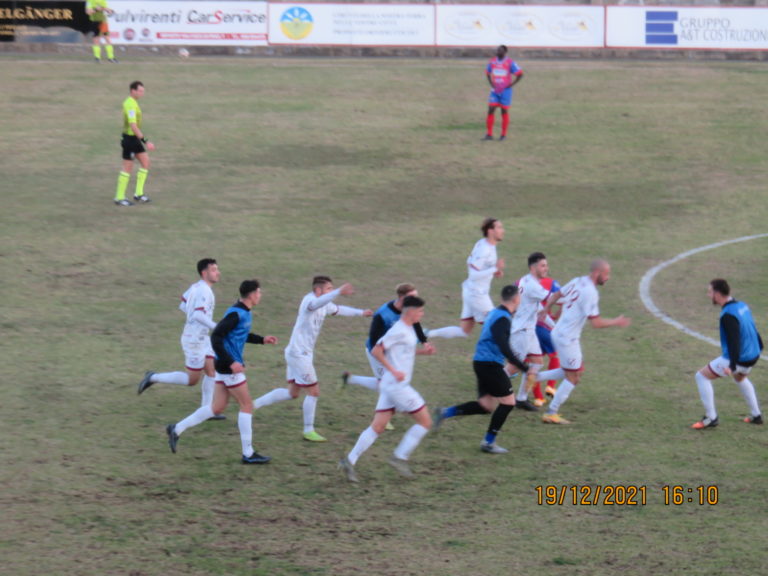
point(475, 306)
point(231, 380)
point(569, 352)
point(399, 398)
point(300, 369)
point(525, 343)
point(196, 350)
point(719, 364)
point(376, 367)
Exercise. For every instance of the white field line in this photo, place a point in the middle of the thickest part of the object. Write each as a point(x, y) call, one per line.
point(645, 286)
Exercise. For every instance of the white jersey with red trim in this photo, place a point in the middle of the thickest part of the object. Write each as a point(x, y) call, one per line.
point(399, 345)
point(532, 293)
point(481, 266)
point(308, 324)
point(198, 298)
point(580, 300)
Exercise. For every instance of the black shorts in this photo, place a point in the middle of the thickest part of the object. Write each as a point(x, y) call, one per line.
point(131, 146)
point(492, 380)
point(99, 28)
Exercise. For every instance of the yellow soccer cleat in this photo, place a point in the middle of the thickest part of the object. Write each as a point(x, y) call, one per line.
point(314, 437)
point(554, 419)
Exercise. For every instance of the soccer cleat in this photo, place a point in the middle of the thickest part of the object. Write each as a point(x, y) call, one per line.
point(526, 405)
point(754, 419)
point(401, 466)
point(123, 202)
point(502, 138)
point(437, 418)
point(344, 381)
point(349, 469)
point(256, 458)
point(549, 391)
point(313, 436)
point(218, 417)
point(143, 199)
point(97, 60)
point(554, 419)
point(173, 438)
point(113, 60)
point(488, 137)
point(492, 448)
point(705, 423)
point(539, 402)
point(145, 382)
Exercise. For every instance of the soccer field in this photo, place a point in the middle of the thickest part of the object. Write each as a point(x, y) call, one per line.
point(373, 172)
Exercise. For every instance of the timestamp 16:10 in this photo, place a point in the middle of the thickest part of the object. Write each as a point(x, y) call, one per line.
point(624, 495)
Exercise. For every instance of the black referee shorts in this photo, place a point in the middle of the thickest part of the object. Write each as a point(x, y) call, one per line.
point(131, 146)
point(492, 380)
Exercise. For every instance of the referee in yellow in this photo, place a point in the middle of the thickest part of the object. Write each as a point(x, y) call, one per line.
point(98, 11)
point(135, 145)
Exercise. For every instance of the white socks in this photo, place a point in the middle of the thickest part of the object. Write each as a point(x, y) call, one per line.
point(561, 395)
point(244, 424)
point(180, 378)
point(447, 332)
point(273, 397)
point(365, 441)
point(310, 403)
point(707, 395)
point(365, 381)
point(197, 417)
point(556, 374)
point(206, 389)
point(413, 436)
point(748, 391)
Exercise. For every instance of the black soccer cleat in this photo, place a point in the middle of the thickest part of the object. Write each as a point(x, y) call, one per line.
point(145, 382)
point(173, 438)
point(256, 458)
point(526, 405)
point(754, 419)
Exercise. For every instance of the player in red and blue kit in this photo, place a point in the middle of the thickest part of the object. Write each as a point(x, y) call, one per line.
point(502, 73)
point(544, 334)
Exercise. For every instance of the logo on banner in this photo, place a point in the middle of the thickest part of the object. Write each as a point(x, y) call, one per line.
point(296, 23)
point(572, 26)
point(660, 28)
point(520, 25)
point(468, 25)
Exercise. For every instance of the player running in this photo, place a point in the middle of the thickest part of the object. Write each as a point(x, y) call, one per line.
point(396, 351)
point(523, 339)
point(579, 299)
point(299, 354)
point(197, 303)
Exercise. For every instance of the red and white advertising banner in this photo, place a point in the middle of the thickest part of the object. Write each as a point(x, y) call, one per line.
point(352, 24)
point(520, 26)
point(687, 27)
point(189, 23)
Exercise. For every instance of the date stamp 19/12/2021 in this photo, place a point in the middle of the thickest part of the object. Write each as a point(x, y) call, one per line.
point(625, 495)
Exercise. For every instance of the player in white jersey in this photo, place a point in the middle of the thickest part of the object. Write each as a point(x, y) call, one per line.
point(483, 265)
point(396, 351)
point(523, 339)
point(579, 299)
point(299, 354)
point(197, 303)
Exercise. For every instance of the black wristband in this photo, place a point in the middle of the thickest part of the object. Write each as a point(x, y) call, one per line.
point(144, 140)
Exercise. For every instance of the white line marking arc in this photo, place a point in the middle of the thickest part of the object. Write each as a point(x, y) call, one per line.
point(645, 286)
